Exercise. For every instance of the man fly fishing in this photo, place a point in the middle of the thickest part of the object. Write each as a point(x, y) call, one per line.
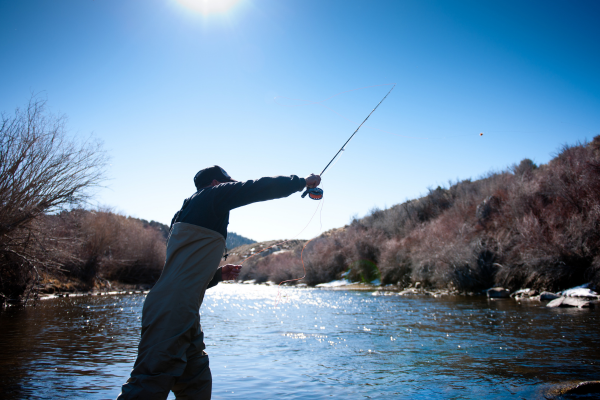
point(171, 352)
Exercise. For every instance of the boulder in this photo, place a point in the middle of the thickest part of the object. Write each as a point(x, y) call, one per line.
point(581, 291)
point(575, 390)
point(589, 387)
point(409, 291)
point(571, 302)
point(524, 293)
point(545, 296)
point(498, 293)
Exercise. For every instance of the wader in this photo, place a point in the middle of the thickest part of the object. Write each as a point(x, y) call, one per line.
point(171, 352)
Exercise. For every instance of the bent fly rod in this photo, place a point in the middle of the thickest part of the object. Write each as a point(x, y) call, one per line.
point(317, 193)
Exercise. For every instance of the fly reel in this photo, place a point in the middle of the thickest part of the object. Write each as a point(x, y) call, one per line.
point(313, 193)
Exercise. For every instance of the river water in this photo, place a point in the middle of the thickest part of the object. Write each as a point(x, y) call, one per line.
point(315, 344)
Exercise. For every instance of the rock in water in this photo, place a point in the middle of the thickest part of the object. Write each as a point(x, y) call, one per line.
point(580, 390)
point(524, 294)
point(498, 293)
point(548, 296)
point(590, 387)
point(571, 302)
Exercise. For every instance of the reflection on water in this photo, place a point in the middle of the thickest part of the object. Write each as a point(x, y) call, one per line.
point(316, 344)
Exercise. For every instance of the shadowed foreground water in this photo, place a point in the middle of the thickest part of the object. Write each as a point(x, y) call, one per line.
point(317, 344)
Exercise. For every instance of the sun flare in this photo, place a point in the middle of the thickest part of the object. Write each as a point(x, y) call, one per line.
point(207, 7)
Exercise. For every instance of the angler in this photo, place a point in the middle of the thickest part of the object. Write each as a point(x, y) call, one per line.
point(171, 352)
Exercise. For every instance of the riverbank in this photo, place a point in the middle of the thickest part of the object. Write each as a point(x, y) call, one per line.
point(583, 296)
point(528, 226)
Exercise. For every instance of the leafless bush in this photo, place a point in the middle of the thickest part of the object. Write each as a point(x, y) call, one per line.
point(536, 227)
point(137, 256)
point(41, 170)
point(325, 258)
point(555, 221)
point(396, 263)
point(94, 246)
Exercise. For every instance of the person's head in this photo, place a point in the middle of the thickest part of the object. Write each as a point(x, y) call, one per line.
point(208, 176)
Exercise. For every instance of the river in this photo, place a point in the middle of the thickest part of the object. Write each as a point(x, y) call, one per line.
point(315, 344)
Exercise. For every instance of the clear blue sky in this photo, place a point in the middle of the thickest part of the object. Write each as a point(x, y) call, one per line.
point(171, 90)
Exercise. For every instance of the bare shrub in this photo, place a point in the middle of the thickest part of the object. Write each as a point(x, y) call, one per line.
point(268, 261)
point(554, 222)
point(362, 249)
point(325, 258)
point(528, 226)
point(524, 169)
point(396, 263)
point(91, 247)
point(41, 170)
point(281, 267)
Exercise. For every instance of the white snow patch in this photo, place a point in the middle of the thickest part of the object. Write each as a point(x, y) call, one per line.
point(579, 291)
point(341, 282)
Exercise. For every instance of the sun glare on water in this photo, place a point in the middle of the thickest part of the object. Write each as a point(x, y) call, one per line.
point(207, 7)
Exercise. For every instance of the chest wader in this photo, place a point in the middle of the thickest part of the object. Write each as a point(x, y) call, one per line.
point(171, 352)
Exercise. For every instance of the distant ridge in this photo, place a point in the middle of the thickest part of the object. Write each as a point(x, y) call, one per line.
point(233, 239)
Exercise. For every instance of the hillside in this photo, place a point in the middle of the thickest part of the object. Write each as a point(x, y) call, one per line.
point(273, 260)
point(235, 240)
point(528, 226)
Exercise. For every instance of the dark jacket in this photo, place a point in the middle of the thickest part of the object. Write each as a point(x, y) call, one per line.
point(209, 207)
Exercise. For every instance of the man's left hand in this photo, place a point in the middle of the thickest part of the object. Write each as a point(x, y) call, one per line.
point(230, 272)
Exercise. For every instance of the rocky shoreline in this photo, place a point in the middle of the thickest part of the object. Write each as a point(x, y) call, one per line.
point(581, 296)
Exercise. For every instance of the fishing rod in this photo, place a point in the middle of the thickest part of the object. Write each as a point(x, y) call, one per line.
point(317, 193)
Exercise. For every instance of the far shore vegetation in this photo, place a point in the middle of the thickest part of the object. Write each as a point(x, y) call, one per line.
point(528, 226)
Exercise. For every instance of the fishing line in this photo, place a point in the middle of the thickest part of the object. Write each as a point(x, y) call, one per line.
point(284, 241)
point(320, 204)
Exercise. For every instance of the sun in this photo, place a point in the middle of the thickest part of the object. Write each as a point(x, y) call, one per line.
point(207, 7)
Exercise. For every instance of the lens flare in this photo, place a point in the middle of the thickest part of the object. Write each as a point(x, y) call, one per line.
point(207, 7)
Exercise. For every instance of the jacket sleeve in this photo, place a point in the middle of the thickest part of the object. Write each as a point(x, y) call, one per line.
point(216, 279)
point(237, 194)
